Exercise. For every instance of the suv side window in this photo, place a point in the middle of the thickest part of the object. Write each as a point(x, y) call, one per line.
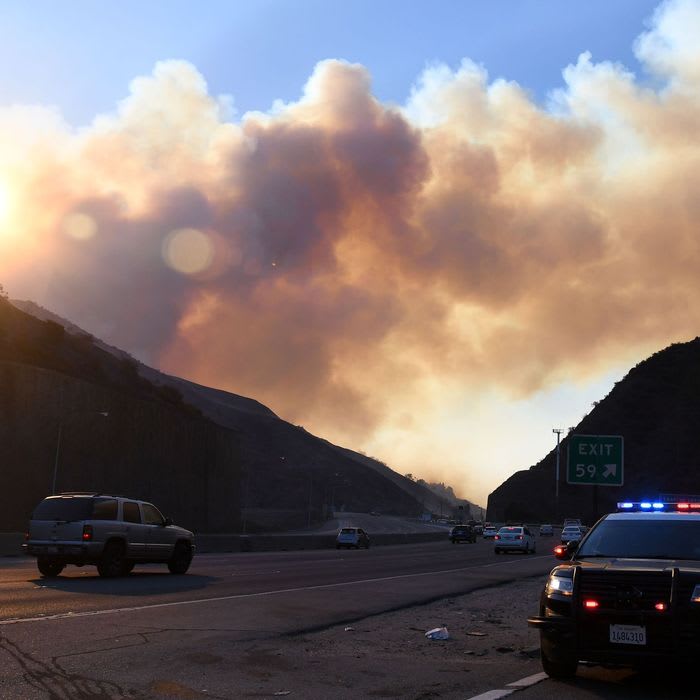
point(131, 512)
point(104, 509)
point(151, 515)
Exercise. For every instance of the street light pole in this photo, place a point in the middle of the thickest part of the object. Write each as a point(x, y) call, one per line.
point(55, 461)
point(558, 432)
point(58, 445)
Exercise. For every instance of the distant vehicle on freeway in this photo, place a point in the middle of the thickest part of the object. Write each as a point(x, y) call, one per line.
point(479, 529)
point(462, 533)
point(571, 533)
point(352, 537)
point(628, 595)
point(514, 538)
point(489, 531)
point(111, 532)
point(546, 530)
point(572, 522)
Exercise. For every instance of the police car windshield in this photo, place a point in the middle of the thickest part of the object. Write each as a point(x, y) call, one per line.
point(644, 539)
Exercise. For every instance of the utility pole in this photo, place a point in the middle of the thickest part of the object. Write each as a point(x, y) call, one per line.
point(558, 432)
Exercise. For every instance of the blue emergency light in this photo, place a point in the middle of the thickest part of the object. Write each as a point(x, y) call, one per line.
point(681, 507)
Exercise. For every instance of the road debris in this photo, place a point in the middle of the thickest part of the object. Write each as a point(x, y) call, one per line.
point(438, 633)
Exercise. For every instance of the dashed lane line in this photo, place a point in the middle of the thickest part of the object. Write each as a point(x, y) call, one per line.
point(511, 688)
point(240, 596)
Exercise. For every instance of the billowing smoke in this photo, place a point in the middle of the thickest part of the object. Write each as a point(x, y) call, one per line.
point(358, 266)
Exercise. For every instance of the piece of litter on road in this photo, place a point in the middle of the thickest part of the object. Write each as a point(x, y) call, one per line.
point(283, 692)
point(505, 650)
point(349, 629)
point(438, 633)
point(476, 634)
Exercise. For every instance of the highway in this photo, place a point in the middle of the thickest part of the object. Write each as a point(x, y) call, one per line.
point(261, 624)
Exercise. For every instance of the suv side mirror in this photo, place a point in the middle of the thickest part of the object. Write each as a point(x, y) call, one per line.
point(167, 521)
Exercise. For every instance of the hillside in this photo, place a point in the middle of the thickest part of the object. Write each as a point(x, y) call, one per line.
point(656, 408)
point(281, 476)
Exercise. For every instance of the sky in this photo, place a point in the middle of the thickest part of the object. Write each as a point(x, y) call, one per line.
point(429, 231)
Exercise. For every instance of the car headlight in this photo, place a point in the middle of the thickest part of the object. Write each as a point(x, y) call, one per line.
point(563, 585)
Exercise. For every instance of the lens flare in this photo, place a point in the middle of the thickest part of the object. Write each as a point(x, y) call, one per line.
point(188, 250)
point(79, 226)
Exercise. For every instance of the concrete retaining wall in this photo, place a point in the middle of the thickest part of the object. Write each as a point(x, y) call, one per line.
point(10, 543)
point(277, 543)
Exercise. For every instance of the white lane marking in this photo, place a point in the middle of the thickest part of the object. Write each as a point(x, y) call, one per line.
point(511, 687)
point(528, 681)
point(239, 596)
point(492, 695)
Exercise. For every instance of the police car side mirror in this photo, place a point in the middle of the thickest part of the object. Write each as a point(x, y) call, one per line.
point(565, 551)
point(167, 521)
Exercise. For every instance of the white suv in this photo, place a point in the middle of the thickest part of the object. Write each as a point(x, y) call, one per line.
point(111, 532)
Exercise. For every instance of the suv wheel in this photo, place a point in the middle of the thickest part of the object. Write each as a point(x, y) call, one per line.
point(181, 559)
point(49, 568)
point(112, 563)
point(559, 669)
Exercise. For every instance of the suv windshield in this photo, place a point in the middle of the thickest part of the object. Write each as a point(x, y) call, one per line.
point(644, 539)
point(68, 508)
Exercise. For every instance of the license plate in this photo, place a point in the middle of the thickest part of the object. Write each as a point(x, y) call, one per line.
point(628, 634)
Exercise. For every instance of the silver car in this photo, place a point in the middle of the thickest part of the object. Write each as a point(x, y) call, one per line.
point(352, 537)
point(111, 532)
point(571, 533)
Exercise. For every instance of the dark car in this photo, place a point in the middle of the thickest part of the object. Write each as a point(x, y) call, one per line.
point(462, 533)
point(628, 594)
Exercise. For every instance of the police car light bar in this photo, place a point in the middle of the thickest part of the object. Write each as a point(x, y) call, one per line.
point(657, 506)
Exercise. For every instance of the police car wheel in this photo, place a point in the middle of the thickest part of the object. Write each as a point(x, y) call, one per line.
point(559, 669)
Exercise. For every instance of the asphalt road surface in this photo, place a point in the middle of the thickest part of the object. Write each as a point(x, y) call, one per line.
point(312, 624)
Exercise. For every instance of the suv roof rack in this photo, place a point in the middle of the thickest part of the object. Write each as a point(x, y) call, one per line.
point(77, 493)
point(90, 493)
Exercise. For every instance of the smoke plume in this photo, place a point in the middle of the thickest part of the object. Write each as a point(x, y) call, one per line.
point(358, 266)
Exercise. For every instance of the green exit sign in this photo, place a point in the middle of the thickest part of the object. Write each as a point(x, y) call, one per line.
point(596, 460)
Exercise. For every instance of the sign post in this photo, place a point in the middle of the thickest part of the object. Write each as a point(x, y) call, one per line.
point(595, 460)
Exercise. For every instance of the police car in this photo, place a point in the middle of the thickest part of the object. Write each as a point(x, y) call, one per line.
point(628, 594)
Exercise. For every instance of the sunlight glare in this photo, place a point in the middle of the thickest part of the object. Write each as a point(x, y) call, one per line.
point(4, 203)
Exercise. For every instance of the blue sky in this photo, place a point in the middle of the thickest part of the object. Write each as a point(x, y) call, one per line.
point(80, 56)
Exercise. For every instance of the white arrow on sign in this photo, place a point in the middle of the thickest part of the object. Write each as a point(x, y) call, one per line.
point(610, 469)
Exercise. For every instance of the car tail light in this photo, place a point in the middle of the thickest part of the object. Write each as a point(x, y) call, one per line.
point(519, 537)
point(87, 533)
point(496, 537)
point(590, 604)
point(26, 536)
point(661, 607)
